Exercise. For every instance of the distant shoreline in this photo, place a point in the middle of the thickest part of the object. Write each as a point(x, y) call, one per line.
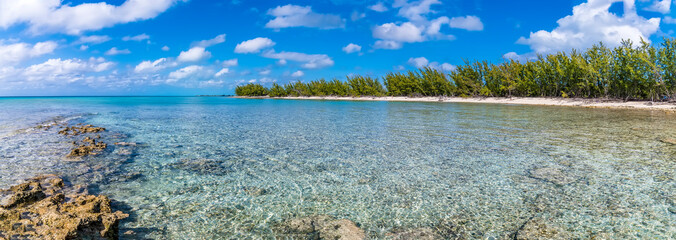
point(543, 101)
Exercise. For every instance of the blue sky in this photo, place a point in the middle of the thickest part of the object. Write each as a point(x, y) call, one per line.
point(188, 47)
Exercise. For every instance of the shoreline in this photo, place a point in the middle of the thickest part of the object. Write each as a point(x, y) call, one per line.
point(541, 101)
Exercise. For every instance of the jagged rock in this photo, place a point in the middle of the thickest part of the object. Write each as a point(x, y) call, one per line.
point(671, 141)
point(553, 175)
point(323, 227)
point(89, 146)
point(49, 210)
point(537, 228)
point(80, 129)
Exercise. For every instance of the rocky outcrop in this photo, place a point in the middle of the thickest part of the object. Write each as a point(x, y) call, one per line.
point(80, 129)
point(88, 146)
point(553, 175)
point(322, 227)
point(44, 208)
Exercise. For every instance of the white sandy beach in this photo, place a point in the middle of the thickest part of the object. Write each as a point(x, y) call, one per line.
point(572, 102)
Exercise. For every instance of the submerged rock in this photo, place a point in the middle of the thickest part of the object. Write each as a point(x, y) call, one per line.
point(537, 228)
point(445, 229)
point(671, 141)
point(43, 208)
point(553, 175)
point(203, 166)
point(322, 227)
point(255, 191)
point(418, 233)
point(80, 129)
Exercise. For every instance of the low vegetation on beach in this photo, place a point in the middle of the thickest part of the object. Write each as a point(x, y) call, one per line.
point(629, 72)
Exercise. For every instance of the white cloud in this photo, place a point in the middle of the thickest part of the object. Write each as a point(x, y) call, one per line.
point(281, 62)
point(193, 55)
point(356, 16)
point(299, 16)
point(94, 39)
point(184, 73)
point(310, 61)
point(265, 72)
point(592, 22)
point(14, 53)
point(469, 23)
point(84, 47)
point(115, 51)
point(154, 66)
point(222, 72)
point(69, 70)
point(406, 32)
point(165, 48)
point(137, 38)
point(208, 43)
point(387, 44)
point(415, 11)
point(298, 74)
point(46, 16)
point(231, 62)
point(660, 6)
point(254, 45)
point(669, 20)
point(378, 7)
point(421, 62)
point(351, 48)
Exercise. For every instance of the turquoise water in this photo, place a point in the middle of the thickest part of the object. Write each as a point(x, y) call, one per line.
point(385, 165)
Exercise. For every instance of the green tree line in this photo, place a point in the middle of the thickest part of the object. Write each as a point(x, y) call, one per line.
point(630, 71)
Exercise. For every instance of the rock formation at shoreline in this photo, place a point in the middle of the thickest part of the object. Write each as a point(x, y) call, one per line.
point(45, 208)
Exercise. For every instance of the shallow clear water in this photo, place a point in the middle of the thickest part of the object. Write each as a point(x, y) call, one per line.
point(384, 165)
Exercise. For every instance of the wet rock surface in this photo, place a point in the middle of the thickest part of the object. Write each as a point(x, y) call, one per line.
point(552, 174)
point(45, 208)
point(321, 227)
point(80, 129)
point(671, 141)
point(88, 146)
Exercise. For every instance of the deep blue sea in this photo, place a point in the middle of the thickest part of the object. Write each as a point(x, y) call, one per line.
point(225, 168)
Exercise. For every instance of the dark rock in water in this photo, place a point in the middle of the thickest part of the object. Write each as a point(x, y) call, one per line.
point(322, 227)
point(46, 209)
point(553, 175)
point(80, 129)
point(203, 166)
point(672, 209)
point(537, 228)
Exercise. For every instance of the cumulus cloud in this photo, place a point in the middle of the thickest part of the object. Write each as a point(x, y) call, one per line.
point(298, 16)
point(669, 20)
point(660, 6)
point(69, 70)
point(153, 66)
point(114, 51)
point(469, 23)
point(184, 73)
point(421, 62)
point(351, 48)
point(378, 7)
point(15, 53)
point(137, 38)
point(194, 54)
point(210, 42)
point(254, 45)
point(48, 16)
point(590, 23)
point(310, 61)
point(165, 48)
point(298, 74)
point(222, 72)
point(419, 27)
